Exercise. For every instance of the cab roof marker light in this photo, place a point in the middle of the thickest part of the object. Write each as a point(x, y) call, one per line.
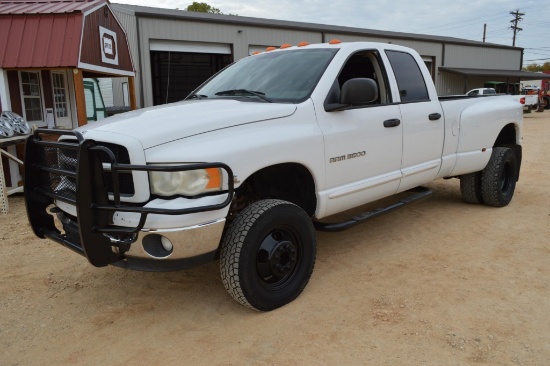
point(255, 53)
point(303, 44)
point(285, 45)
point(270, 49)
point(335, 41)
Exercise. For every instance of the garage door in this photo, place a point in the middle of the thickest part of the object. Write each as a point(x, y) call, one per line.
point(178, 68)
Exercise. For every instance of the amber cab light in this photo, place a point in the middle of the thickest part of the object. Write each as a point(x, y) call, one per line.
point(335, 41)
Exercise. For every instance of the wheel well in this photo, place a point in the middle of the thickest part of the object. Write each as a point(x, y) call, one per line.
point(289, 182)
point(507, 136)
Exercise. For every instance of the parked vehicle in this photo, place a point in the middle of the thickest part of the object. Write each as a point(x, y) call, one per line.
point(481, 91)
point(529, 101)
point(259, 157)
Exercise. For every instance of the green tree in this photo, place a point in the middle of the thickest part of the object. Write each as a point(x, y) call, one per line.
point(536, 67)
point(533, 68)
point(203, 8)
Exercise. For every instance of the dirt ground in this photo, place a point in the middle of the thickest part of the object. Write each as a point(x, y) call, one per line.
point(440, 282)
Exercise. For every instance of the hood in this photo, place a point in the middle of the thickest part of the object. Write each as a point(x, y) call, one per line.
point(162, 124)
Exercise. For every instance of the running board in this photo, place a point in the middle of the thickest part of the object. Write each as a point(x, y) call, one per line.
point(419, 194)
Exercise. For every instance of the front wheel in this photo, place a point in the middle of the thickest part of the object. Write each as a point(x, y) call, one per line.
point(498, 179)
point(268, 254)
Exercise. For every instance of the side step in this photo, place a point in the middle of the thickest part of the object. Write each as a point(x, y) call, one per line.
point(418, 194)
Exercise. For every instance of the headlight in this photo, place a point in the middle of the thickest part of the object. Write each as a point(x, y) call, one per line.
point(187, 183)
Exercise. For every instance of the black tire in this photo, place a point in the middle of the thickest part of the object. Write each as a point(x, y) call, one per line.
point(268, 254)
point(498, 179)
point(470, 188)
point(547, 100)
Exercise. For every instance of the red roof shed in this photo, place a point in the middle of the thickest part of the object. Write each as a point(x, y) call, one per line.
point(65, 33)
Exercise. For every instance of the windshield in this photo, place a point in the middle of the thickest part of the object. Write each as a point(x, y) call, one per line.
point(288, 76)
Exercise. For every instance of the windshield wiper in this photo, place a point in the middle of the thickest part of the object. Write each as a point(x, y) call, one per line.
point(245, 91)
point(198, 96)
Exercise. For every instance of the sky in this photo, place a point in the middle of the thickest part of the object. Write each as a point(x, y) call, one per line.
point(459, 18)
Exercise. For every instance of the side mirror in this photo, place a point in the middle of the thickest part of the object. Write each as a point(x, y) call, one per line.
point(359, 91)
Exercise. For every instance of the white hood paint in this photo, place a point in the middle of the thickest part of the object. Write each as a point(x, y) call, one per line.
point(162, 124)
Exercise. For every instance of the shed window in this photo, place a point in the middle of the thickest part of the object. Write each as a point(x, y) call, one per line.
point(32, 96)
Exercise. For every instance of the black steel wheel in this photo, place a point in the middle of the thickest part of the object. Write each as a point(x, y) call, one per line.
point(498, 179)
point(268, 254)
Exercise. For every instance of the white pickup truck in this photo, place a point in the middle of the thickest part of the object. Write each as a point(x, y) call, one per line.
point(258, 157)
point(528, 101)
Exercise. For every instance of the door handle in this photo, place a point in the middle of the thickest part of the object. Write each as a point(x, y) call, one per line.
point(434, 116)
point(392, 122)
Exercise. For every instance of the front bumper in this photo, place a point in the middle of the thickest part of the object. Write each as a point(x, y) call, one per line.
point(187, 247)
point(93, 232)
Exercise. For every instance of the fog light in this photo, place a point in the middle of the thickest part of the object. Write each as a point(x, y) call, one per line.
point(166, 244)
point(157, 246)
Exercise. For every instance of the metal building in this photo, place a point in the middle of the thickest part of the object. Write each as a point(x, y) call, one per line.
point(175, 50)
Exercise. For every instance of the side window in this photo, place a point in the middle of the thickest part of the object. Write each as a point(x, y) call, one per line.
point(363, 64)
point(412, 87)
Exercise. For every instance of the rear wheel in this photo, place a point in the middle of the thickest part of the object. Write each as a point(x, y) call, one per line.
point(268, 254)
point(498, 179)
point(470, 188)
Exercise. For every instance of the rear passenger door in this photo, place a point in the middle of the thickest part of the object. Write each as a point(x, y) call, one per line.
point(422, 121)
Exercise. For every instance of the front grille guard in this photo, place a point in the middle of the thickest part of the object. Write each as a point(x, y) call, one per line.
point(97, 237)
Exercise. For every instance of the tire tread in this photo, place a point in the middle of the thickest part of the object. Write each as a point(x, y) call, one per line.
point(470, 188)
point(232, 246)
point(490, 178)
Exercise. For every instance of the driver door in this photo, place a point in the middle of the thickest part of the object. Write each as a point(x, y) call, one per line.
point(363, 145)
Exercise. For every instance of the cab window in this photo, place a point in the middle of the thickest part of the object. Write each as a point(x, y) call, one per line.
point(362, 64)
point(410, 81)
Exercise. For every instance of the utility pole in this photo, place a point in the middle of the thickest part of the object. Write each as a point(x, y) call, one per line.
point(484, 31)
point(517, 18)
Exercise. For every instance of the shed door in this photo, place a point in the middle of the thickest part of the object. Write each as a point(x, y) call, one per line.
point(61, 99)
